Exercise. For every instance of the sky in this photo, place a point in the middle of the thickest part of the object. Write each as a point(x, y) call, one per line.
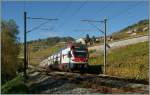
point(119, 14)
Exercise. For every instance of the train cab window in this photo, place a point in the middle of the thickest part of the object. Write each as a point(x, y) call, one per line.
point(69, 54)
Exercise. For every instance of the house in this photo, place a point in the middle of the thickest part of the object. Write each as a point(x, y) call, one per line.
point(81, 40)
point(145, 29)
point(130, 31)
point(133, 34)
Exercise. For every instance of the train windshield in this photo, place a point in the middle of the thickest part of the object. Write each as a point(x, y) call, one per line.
point(80, 54)
point(80, 48)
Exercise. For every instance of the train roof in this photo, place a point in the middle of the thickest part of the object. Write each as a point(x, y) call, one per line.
point(76, 44)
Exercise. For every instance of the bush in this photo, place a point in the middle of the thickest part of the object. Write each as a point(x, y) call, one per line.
point(14, 86)
point(10, 50)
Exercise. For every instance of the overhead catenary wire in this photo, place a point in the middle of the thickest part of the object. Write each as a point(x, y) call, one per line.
point(95, 27)
point(73, 14)
point(130, 16)
point(104, 7)
point(125, 11)
point(37, 27)
point(79, 8)
point(41, 18)
point(40, 25)
point(62, 12)
point(120, 13)
point(100, 11)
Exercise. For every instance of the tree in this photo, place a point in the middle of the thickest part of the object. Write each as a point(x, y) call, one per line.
point(93, 39)
point(9, 50)
point(87, 40)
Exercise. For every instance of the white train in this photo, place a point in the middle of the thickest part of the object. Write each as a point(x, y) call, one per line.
point(73, 57)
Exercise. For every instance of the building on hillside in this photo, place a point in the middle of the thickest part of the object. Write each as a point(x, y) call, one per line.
point(81, 40)
point(130, 31)
point(133, 34)
point(108, 38)
point(145, 29)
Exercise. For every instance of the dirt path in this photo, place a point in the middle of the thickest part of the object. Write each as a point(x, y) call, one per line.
point(120, 43)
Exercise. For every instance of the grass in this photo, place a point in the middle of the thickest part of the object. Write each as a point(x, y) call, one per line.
point(15, 86)
point(130, 61)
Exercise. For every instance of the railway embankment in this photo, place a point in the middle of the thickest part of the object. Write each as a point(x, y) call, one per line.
point(56, 82)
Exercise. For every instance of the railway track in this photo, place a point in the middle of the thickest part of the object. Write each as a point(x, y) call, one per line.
point(100, 83)
point(56, 72)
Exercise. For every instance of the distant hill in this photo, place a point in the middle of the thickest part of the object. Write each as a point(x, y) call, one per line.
point(48, 42)
point(42, 44)
point(138, 29)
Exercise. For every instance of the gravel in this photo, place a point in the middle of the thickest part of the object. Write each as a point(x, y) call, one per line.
point(60, 84)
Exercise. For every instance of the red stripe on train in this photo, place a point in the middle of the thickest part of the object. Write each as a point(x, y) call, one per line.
point(79, 59)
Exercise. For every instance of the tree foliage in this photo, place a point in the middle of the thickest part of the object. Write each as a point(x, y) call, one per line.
point(9, 50)
point(94, 39)
point(87, 39)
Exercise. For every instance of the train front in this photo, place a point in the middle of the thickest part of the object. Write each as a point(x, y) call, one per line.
point(78, 57)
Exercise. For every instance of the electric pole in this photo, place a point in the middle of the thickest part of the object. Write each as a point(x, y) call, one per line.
point(105, 56)
point(105, 37)
point(26, 56)
point(25, 44)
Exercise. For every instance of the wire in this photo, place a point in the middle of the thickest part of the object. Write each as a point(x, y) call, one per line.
point(96, 27)
point(75, 13)
point(102, 9)
point(80, 7)
point(125, 11)
point(129, 18)
point(37, 27)
point(62, 12)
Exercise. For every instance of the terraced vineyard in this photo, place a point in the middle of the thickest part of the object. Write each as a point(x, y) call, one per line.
point(129, 61)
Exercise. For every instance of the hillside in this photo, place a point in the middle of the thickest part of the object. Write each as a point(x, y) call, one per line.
point(48, 42)
point(42, 44)
point(42, 48)
point(141, 28)
point(129, 61)
point(36, 57)
point(138, 29)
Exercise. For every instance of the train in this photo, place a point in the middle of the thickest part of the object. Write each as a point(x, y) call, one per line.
point(73, 57)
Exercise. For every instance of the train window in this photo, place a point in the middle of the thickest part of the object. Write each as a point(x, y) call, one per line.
point(81, 48)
